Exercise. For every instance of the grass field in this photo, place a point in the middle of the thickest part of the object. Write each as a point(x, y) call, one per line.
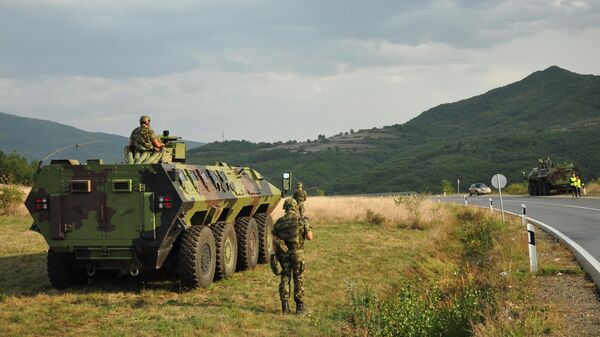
point(362, 246)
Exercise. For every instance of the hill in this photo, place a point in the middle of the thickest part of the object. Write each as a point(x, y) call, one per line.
point(551, 113)
point(36, 138)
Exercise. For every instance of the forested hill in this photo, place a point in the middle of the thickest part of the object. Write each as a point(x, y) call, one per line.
point(36, 138)
point(551, 113)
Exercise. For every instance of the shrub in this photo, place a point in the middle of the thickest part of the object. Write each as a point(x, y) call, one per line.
point(412, 203)
point(477, 233)
point(375, 218)
point(415, 311)
point(517, 188)
point(447, 186)
point(10, 197)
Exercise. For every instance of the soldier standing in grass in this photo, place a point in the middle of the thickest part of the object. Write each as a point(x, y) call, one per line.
point(300, 197)
point(145, 146)
point(289, 233)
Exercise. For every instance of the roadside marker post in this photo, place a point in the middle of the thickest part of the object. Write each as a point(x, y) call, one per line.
point(466, 202)
point(523, 214)
point(533, 264)
point(491, 206)
point(439, 200)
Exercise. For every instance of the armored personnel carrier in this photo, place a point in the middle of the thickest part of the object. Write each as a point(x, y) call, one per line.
point(549, 178)
point(206, 221)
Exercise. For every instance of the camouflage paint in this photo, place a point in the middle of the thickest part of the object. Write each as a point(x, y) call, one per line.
point(110, 216)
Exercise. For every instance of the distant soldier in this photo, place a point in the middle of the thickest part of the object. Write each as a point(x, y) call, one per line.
point(578, 186)
point(573, 183)
point(289, 233)
point(144, 145)
point(300, 197)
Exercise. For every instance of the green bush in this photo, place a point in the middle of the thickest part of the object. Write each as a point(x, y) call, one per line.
point(517, 188)
point(10, 197)
point(447, 186)
point(415, 311)
point(477, 233)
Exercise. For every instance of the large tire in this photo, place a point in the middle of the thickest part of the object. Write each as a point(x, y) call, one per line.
point(246, 230)
point(265, 224)
point(545, 188)
point(536, 188)
point(227, 250)
point(197, 257)
point(62, 271)
point(530, 188)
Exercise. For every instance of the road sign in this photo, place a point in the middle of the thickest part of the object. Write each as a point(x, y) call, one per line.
point(499, 181)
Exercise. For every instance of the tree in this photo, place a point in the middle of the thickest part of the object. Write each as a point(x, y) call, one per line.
point(447, 186)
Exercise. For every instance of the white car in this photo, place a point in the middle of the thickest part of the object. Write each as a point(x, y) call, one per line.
point(479, 188)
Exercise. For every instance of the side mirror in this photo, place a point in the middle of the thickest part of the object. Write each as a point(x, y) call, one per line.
point(286, 182)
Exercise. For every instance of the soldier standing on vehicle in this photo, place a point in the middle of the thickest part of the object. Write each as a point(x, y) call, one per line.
point(289, 233)
point(300, 197)
point(573, 183)
point(144, 144)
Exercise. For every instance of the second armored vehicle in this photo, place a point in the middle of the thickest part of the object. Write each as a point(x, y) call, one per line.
point(549, 178)
point(206, 221)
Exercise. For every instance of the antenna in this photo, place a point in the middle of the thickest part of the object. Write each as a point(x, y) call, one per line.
point(76, 146)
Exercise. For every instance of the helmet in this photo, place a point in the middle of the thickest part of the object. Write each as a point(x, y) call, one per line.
point(299, 184)
point(144, 119)
point(290, 203)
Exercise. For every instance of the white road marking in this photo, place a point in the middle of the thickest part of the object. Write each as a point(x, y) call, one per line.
point(551, 204)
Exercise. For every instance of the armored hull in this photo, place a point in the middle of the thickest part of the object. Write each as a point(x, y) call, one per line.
point(207, 221)
point(549, 179)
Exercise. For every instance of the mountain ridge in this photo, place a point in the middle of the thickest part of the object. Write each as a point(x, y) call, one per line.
point(552, 112)
point(35, 138)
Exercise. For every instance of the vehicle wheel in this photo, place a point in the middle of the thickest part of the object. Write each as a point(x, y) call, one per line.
point(197, 257)
point(246, 230)
point(530, 188)
point(62, 271)
point(545, 188)
point(265, 242)
point(226, 248)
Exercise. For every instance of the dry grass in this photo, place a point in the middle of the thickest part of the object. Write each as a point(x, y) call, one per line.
point(342, 210)
point(592, 188)
point(347, 252)
point(343, 253)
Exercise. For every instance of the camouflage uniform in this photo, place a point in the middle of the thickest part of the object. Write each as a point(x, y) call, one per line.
point(292, 230)
point(300, 197)
point(141, 139)
point(142, 150)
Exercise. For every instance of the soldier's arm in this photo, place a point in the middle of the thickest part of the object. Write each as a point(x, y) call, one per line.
point(155, 141)
point(308, 234)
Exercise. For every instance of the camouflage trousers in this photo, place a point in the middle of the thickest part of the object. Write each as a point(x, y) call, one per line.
point(292, 265)
point(301, 208)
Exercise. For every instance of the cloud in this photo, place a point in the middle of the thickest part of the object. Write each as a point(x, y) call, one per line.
point(275, 70)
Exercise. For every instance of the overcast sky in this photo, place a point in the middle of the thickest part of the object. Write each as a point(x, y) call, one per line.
point(269, 70)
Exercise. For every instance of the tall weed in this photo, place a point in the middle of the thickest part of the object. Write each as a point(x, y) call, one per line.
point(415, 310)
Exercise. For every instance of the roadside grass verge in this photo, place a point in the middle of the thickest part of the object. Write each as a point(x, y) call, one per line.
point(458, 270)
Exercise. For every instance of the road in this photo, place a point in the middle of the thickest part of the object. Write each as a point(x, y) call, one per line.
point(578, 219)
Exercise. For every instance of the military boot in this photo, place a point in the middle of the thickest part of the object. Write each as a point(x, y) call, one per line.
point(285, 307)
point(299, 307)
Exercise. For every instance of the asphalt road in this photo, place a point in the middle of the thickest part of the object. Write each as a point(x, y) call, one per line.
point(578, 219)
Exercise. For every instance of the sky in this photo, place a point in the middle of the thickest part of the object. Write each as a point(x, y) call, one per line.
point(275, 70)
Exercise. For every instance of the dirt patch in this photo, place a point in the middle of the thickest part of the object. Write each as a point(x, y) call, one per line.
point(565, 288)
